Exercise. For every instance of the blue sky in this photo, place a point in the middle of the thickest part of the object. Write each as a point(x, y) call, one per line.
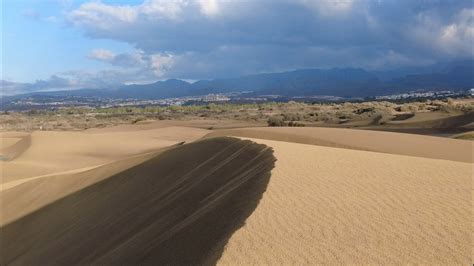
point(37, 43)
point(67, 44)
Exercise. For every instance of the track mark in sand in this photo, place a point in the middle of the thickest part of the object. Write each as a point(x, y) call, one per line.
point(12, 184)
point(180, 207)
point(11, 152)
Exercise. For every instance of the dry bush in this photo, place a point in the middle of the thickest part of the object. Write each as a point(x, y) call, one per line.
point(276, 121)
point(363, 110)
point(292, 116)
point(295, 124)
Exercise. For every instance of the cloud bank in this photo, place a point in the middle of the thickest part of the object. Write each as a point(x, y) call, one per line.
point(212, 39)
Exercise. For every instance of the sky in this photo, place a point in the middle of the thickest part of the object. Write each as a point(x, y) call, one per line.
point(70, 44)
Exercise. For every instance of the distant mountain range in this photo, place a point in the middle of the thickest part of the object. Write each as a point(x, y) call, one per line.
point(344, 82)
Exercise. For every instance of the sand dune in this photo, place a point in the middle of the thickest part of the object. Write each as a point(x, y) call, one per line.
point(435, 120)
point(339, 206)
point(23, 196)
point(386, 142)
point(13, 144)
point(196, 123)
point(179, 207)
point(6, 142)
point(335, 196)
point(51, 152)
point(420, 117)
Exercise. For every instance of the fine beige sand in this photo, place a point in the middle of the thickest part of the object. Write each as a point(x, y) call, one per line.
point(334, 196)
point(386, 142)
point(423, 117)
point(197, 123)
point(178, 208)
point(13, 144)
point(23, 196)
point(435, 120)
point(6, 142)
point(340, 206)
point(52, 152)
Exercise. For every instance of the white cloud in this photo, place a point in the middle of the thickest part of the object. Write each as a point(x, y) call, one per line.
point(102, 55)
point(170, 9)
point(458, 37)
point(98, 14)
point(160, 64)
point(451, 37)
point(133, 59)
point(209, 7)
point(107, 17)
point(154, 65)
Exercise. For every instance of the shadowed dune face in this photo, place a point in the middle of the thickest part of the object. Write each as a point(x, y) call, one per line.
point(431, 124)
point(179, 207)
point(435, 120)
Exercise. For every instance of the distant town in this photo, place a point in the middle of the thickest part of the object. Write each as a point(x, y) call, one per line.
point(427, 94)
point(53, 102)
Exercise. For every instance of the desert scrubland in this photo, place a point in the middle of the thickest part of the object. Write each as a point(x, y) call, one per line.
point(447, 117)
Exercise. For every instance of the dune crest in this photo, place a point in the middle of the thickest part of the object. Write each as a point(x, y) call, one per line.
point(179, 207)
point(365, 140)
point(52, 152)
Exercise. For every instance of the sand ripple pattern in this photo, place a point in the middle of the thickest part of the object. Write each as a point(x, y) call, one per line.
point(339, 206)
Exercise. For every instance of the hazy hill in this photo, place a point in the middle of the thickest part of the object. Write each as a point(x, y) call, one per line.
point(348, 82)
point(337, 81)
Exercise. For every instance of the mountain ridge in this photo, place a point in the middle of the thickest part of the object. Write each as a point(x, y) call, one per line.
point(344, 82)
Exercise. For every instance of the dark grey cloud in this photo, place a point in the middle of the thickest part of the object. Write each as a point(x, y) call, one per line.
point(53, 83)
point(70, 80)
point(11, 88)
point(204, 39)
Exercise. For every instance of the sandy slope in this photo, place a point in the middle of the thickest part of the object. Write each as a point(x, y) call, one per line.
point(386, 142)
point(435, 120)
point(6, 142)
point(196, 123)
point(52, 152)
point(23, 196)
point(408, 202)
point(423, 117)
point(330, 205)
point(178, 208)
point(13, 144)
